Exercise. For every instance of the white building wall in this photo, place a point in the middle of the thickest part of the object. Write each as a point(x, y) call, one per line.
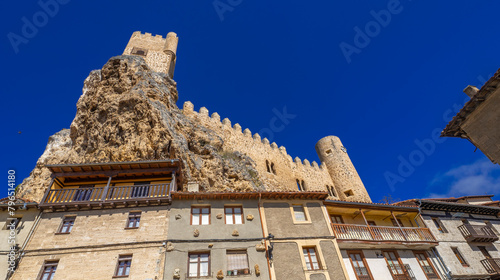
point(378, 265)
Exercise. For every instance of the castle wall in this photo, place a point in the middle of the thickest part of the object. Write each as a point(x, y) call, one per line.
point(288, 170)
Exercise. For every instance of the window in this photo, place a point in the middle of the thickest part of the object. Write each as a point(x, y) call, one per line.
point(485, 252)
point(426, 265)
point(134, 219)
point(123, 266)
point(395, 224)
point(459, 257)
point(67, 224)
point(48, 270)
point(139, 51)
point(336, 219)
point(359, 265)
point(348, 193)
point(12, 223)
point(394, 264)
point(234, 215)
point(331, 191)
point(311, 258)
point(200, 215)
point(299, 213)
point(199, 264)
point(237, 263)
point(272, 168)
point(140, 189)
point(439, 225)
point(301, 185)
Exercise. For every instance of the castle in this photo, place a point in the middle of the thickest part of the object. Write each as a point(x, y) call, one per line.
point(336, 173)
point(139, 189)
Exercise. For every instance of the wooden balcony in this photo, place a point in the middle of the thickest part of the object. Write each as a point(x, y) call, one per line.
point(109, 195)
point(492, 266)
point(473, 233)
point(380, 233)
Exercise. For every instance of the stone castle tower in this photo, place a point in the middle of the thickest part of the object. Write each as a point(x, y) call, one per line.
point(345, 178)
point(159, 52)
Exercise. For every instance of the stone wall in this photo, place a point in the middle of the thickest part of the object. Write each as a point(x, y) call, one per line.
point(287, 169)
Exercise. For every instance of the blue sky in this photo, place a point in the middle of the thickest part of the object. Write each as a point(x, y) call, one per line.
point(384, 76)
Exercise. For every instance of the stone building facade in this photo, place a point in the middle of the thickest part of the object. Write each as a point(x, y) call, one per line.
point(102, 221)
point(467, 231)
point(19, 219)
point(379, 241)
point(478, 120)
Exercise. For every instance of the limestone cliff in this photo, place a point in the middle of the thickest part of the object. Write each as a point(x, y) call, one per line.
point(128, 113)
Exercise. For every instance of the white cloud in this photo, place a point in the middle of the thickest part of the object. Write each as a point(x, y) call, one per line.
point(481, 177)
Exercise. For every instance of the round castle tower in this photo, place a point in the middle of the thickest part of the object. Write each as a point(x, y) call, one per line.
point(348, 184)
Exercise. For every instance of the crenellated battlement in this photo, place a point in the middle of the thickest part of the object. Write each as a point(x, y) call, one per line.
point(286, 170)
point(148, 36)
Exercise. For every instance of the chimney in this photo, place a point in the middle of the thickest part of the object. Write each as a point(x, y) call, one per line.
point(170, 50)
point(471, 90)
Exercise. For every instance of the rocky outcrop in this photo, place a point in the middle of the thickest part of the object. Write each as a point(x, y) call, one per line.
point(128, 113)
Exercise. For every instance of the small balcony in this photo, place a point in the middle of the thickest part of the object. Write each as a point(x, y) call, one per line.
point(382, 233)
point(492, 266)
point(98, 185)
point(473, 233)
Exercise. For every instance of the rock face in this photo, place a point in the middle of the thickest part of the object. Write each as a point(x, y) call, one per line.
point(128, 113)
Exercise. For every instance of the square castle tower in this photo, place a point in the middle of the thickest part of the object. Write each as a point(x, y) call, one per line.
point(158, 52)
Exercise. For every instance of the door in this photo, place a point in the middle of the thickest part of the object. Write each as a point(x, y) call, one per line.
point(395, 266)
point(359, 265)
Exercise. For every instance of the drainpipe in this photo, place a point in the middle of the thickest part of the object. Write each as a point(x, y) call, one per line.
point(264, 235)
point(441, 263)
point(433, 250)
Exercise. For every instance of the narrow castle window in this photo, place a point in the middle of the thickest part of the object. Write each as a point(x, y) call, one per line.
point(349, 193)
point(303, 185)
point(139, 51)
point(331, 191)
point(299, 187)
point(272, 168)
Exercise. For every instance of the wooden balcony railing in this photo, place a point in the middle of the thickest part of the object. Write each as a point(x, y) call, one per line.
point(380, 233)
point(102, 194)
point(492, 266)
point(473, 233)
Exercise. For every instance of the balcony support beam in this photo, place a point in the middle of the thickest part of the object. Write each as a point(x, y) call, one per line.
point(106, 189)
point(397, 222)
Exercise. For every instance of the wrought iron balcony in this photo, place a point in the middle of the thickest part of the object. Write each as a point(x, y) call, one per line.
point(492, 266)
point(111, 194)
point(381, 233)
point(473, 233)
